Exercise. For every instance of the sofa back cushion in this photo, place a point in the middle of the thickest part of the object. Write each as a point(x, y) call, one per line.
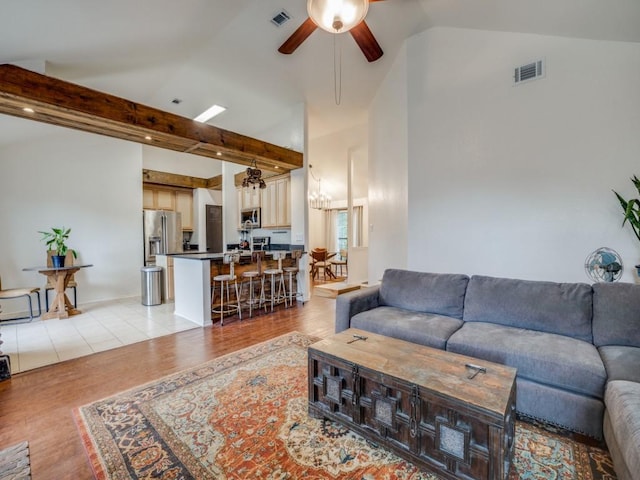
point(440, 293)
point(616, 314)
point(561, 308)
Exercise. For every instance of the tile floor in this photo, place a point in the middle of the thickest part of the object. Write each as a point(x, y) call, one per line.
point(100, 326)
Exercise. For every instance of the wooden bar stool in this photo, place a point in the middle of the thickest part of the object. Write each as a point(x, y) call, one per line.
point(248, 279)
point(224, 280)
point(291, 273)
point(275, 277)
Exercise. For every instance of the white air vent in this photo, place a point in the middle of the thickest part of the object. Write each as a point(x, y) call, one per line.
point(280, 18)
point(531, 71)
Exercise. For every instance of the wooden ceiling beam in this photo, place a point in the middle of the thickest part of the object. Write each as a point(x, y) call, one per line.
point(66, 104)
point(215, 183)
point(180, 181)
point(172, 179)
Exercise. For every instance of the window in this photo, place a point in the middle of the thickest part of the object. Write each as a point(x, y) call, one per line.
point(341, 230)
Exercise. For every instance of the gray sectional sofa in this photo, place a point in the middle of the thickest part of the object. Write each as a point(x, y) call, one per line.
point(576, 346)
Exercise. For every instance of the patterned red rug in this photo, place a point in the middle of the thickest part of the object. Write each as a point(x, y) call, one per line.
point(245, 416)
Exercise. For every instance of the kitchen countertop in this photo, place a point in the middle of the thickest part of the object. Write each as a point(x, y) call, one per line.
point(218, 256)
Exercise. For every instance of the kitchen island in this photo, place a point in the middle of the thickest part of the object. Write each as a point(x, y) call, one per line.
point(192, 274)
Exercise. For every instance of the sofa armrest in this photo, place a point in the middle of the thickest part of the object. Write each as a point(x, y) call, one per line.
point(352, 303)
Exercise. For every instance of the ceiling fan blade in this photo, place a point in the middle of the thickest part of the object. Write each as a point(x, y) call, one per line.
point(366, 41)
point(297, 37)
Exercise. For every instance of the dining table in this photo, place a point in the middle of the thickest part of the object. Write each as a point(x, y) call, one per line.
point(61, 307)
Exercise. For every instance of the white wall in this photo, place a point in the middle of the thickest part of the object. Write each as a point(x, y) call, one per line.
point(388, 173)
point(85, 182)
point(515, 181)
point(329, 156)
point(163, 160)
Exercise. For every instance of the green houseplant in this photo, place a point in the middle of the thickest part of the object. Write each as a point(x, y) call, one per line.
point(631, 210)
point(56, 240)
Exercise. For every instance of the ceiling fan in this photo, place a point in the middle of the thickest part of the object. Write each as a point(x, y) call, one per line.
point(330, 15)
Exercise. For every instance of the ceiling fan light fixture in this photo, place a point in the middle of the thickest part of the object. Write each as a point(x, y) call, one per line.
point(337, 16)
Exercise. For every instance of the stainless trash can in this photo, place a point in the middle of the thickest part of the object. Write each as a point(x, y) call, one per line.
point(151, 285)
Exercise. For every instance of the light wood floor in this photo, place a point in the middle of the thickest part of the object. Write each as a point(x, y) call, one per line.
point(37, 405)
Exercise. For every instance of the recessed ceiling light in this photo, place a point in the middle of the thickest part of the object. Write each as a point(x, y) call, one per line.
point(219, 154)
point(209, 113)
point(28, 110)
point(148, 137)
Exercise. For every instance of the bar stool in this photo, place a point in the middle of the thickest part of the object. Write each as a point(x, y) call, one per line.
point(224, 280)
point(248, 278)
point(292, 293)
point(275, 277)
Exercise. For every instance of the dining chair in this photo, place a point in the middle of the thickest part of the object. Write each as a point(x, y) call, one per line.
point(68, 262)
point(320, 263)
point(340, 263)
point(11, 293)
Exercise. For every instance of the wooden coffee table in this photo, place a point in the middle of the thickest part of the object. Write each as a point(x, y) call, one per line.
point(446, 413)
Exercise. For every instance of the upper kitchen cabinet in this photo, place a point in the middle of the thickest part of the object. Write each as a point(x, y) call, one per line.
point(154, 198)
point(175, 200)
point(276, 202)
point(184, 205)
point(249, 198)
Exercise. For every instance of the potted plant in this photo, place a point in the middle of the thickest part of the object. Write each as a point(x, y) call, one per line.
point(631, 210)
point(56, 240)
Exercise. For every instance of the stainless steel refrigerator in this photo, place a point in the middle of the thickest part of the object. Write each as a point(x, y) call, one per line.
point(162, 234)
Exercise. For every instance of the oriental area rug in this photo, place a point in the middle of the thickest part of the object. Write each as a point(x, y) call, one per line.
point(244, 416)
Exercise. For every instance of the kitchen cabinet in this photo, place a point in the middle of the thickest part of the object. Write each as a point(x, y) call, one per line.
point(155, 198)
point(276, 202)
point(166, 262)
point(250, 198)
point(148, 201)
point(174, 200)
point(165, 199)
point(184, 205)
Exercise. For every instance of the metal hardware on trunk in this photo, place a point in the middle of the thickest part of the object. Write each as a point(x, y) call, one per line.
point(356, 338)
point(413, 420)
point(475, 370)
point(355, 385)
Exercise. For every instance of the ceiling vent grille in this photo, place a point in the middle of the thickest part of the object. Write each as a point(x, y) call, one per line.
point(531, 71)
point(280, 18)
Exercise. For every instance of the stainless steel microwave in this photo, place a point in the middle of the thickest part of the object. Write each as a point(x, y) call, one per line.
point(250, 217)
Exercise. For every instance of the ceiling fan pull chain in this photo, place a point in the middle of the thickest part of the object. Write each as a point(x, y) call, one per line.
point(337, 70)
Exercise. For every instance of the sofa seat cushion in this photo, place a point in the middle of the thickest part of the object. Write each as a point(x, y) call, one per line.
point(560, 308)
point(554, 360)
point(622, 400)
point(417, 327)
point(621, 363)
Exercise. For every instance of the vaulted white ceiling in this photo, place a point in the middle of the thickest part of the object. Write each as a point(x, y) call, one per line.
point(225, 51)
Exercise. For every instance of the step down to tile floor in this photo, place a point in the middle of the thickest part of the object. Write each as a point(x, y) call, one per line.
point(332, 290)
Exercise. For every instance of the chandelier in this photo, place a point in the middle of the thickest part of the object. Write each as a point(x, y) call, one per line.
point(254, 177)
point(318, 199)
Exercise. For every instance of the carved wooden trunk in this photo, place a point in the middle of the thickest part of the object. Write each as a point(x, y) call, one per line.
point(421, 403)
